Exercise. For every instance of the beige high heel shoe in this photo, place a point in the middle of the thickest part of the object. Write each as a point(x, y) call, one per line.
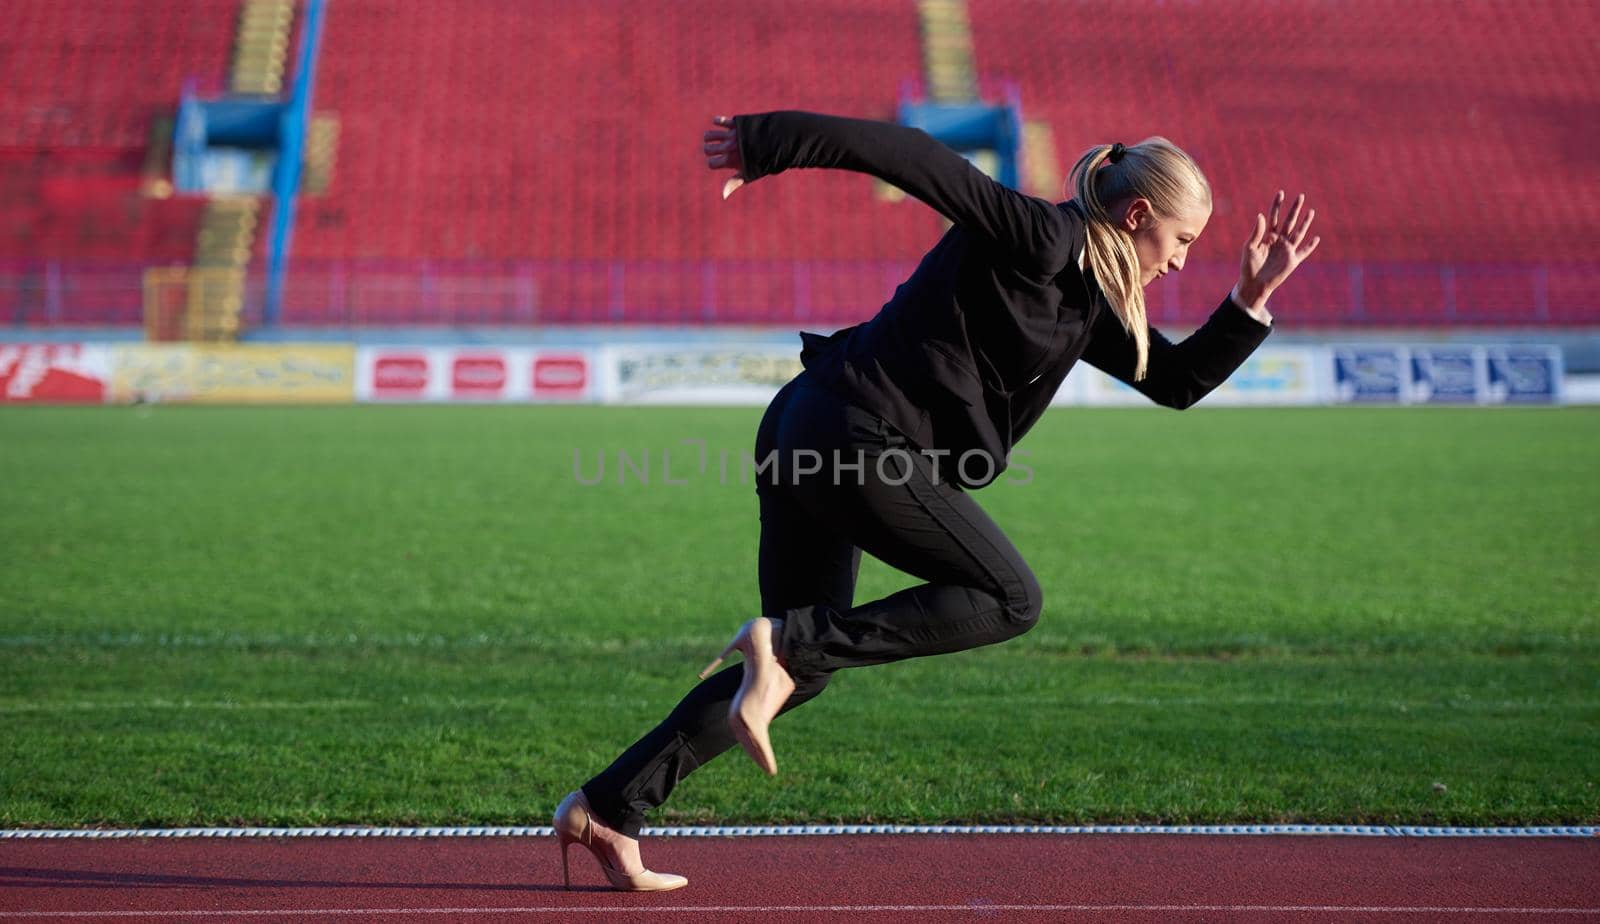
point(766, 686)
point(574, 823)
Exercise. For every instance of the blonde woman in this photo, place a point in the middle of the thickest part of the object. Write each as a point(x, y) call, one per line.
point(875, 445)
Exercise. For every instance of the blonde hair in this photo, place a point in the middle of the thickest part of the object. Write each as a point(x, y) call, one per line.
point(1154, 169)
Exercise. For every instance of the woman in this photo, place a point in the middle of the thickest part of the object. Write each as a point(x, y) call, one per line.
point(920, 404)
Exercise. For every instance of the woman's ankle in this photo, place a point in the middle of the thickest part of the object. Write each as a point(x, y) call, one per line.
point(778, 652)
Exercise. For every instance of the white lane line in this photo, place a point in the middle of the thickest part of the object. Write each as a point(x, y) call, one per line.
point(500, 702)
point(838, 909)
point(93, 706)
point(814, 831)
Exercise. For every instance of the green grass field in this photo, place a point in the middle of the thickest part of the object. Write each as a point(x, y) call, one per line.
point(415, 615)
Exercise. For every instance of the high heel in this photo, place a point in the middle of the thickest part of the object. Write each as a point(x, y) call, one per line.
point(574, 824)
point(763, 690)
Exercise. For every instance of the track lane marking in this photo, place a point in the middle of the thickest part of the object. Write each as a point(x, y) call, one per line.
point(721, 831)
point(838, 909)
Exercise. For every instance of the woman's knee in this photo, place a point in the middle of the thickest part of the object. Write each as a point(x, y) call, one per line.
point(806, 688)
point(1024, 598)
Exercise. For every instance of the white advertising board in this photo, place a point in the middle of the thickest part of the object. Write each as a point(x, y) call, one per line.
point(474, 374)
point(707, 373)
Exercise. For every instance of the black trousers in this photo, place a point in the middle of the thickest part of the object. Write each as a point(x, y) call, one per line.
point(834, 479)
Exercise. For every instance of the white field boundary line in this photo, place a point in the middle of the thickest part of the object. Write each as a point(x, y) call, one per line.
point(548, 643)
point(820, 830)
point(429, 702)
point(977, 908)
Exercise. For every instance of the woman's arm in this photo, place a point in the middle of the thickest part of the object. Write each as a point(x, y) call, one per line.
point(1178, 374)
point(761, 145)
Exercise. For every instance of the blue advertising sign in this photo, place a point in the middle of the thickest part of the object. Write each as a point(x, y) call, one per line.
point(1525, 375)
point(1445, 374)
point(1369, 374)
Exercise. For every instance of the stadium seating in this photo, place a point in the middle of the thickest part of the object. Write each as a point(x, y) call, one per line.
point(502, 129)
point(83, 86)
point(540, 161)
point(1429, 133)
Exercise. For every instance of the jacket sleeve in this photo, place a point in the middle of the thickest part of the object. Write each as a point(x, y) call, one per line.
point(1178, 374)
point(1033, 230)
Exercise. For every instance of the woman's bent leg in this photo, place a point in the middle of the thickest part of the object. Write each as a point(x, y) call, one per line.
point(890, 500)
point(801, 562)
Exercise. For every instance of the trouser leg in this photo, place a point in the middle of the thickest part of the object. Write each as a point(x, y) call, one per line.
point(978, 590)
point(892, 502)
point(800, 562)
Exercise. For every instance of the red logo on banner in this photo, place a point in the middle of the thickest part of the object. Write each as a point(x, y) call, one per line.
point(400, 374)
point(49, 372)
point(560, 375)
point(479, 376)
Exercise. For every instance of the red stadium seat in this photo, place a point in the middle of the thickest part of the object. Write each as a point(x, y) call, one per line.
point(554, 145)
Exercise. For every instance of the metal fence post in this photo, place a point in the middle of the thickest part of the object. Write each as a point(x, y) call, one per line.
point(1358, 284)
point(708, 290)
point(615, 291)
point(52, 292)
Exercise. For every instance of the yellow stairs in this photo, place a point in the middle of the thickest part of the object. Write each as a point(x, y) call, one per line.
point(222, 255)
point(322, 148)
point(946, 65)
point(951, 77)
point(947, 51)
point(204, 302)
point(1040, 167)
point(261, 47)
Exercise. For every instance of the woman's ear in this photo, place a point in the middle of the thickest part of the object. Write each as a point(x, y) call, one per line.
point(1139, 215)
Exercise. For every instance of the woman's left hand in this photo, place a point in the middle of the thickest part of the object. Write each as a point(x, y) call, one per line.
point(722, 150)
point(1274, 250)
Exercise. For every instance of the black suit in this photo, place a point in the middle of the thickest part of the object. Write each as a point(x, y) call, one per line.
point(904, 412)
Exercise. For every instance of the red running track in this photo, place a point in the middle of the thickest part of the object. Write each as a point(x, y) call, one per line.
point(910, 878)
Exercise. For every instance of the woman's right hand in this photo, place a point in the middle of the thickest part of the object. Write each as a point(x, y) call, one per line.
point(1274, 250)
point(722, 151)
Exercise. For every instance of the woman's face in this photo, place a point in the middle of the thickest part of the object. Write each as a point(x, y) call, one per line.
point(1161, 241)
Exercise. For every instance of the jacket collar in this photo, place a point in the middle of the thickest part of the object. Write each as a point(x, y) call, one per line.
point(1072, 274)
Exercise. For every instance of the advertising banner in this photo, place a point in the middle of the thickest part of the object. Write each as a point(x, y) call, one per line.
point(240, 373)
point(473, 374)
point(1447, 375)
point(1427, 374)
point(1524, 375)
point(1379, 375)
point(1277, 376)
point(54, 373)
point(696, 373)
point(1271, 376)
point(712, 373)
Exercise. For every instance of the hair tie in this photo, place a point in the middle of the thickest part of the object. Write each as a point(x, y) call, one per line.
point(1117, 150)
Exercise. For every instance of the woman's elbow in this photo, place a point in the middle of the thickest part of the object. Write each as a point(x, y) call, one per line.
point(1179, 392)
point(1178, 398)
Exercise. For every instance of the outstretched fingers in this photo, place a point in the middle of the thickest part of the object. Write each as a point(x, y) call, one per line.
point(1300, 232)
point(1259, 233)
point(719, 147)
point(1287, 230)
point(721, 144)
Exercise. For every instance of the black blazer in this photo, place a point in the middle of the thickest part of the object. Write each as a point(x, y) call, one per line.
point(971, 348)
